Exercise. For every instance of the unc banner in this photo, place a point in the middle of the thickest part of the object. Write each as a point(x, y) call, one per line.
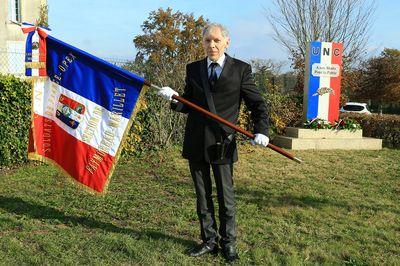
point(81, 112)
point(322, 81)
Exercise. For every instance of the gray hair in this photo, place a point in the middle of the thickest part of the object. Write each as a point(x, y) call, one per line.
point(208, 27)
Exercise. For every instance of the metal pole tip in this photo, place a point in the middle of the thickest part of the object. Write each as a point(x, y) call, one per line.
point(297, 160)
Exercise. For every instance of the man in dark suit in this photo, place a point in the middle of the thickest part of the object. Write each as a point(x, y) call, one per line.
point(217, 83)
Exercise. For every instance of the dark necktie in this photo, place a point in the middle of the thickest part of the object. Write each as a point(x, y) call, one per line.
point(213, 75)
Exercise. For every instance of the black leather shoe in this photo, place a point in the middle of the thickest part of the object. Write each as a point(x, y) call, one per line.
point(230, 254)
point(203, 249)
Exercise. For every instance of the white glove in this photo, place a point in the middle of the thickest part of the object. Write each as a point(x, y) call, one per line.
point(260, 139)
point(167, 93)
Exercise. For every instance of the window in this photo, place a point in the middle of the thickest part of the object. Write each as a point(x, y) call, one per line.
point(14, 10)
point(354, 108)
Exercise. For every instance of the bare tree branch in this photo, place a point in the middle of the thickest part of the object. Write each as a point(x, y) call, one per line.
point(297, 22)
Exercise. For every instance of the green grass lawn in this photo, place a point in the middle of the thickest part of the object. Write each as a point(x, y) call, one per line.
point(339, 207)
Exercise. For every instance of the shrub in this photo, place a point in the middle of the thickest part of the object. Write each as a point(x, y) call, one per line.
point(15, 114)
point(15, 117)
point(386, 127)
point(283, 109)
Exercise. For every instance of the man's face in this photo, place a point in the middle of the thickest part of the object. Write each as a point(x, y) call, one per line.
point(214, 43)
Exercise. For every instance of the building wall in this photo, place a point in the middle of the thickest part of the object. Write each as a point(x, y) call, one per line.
point(12, 40)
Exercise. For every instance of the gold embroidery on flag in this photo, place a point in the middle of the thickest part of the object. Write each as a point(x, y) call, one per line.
point(35, 65)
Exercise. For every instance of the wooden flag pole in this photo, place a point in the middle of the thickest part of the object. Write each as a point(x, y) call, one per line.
point(227, 123)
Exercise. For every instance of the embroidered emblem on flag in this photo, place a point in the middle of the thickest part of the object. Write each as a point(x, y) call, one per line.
point(69, 111)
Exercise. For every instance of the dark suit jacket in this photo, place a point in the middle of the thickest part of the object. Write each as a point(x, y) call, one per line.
point(234, 84)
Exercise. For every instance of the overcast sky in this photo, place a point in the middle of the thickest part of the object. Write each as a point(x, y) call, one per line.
point(106, 28)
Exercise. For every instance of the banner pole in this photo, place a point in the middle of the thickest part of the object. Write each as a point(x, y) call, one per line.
point(225, 122)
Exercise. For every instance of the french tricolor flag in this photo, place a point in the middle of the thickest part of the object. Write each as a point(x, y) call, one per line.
point(82, 110)
point(322, 81)
point(35, 49)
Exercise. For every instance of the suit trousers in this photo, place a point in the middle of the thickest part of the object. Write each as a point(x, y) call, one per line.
point(200, 172)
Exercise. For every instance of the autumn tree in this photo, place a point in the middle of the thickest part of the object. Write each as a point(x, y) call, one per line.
point(381, 78)
point(350, 84)
point(169, 41)
point(266, 72)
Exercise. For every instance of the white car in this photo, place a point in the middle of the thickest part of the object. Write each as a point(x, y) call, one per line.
point(355, 107)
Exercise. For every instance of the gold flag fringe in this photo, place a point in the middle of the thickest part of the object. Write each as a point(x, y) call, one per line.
point(138, 106)
point(35, 156)
point(36, 78)
point(38, 157)
point(35, 65)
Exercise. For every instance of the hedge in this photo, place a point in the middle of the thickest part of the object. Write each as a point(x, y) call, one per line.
point(386, 127)
point(15, 113)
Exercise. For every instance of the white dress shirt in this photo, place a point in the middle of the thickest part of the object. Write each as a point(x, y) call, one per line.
point(218, 69)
